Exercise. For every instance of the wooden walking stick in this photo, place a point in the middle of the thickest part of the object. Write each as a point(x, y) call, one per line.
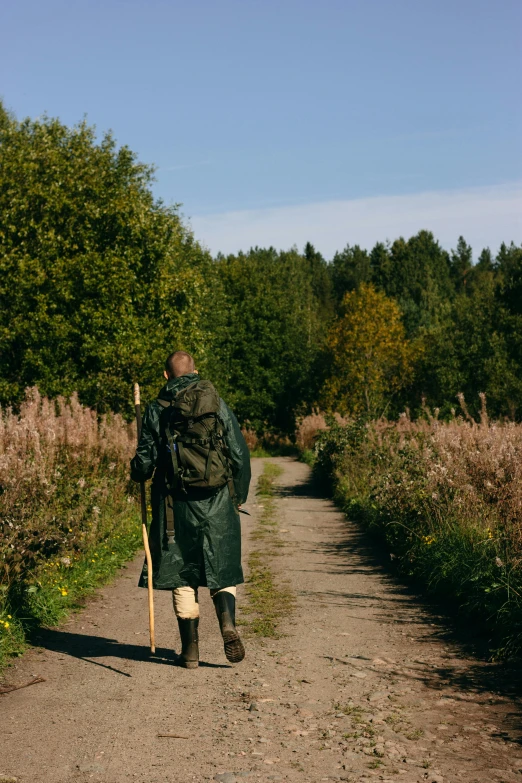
point(143, 498)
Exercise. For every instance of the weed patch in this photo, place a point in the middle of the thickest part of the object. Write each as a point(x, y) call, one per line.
point(68, 517)
point(269, 599)
point(446, 499)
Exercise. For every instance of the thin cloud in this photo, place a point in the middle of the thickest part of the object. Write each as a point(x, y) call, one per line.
point(485, 216)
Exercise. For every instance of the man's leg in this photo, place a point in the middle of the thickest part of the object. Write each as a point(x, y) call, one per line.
point(186, 608)
point(225, 603)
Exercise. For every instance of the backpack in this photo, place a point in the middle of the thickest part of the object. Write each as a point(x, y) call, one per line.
point(195, 437)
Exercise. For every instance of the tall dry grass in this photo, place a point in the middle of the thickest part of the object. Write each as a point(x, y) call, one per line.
point(63, 483)
point(309, 427)
point(267, 444)
point(447, 498)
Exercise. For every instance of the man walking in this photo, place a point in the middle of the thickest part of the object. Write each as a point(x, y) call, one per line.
point(192, 446)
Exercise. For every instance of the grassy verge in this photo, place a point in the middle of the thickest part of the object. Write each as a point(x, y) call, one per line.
point(61, 585)
point(445, 498)
point(269, 599)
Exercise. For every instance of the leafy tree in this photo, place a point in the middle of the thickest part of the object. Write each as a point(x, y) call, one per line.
point(420, 280)
point(321, 281)
point(98, 281)
point(273, 334)
point(370, 358)
point(478, 349)
point(350, 268)
point(461, 264)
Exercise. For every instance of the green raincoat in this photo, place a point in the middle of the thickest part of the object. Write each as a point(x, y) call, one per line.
point(207, 547)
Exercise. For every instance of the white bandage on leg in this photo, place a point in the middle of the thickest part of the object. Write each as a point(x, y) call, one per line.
point(185, 600)
point(231, 590)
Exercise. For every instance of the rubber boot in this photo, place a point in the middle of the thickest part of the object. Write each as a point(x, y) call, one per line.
point(188, 631)
point(225, 604)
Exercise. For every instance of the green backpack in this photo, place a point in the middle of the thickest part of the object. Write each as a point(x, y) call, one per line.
point(195, 438)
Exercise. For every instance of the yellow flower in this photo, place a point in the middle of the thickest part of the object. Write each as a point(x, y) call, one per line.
point(6, 625)
point(9, 617)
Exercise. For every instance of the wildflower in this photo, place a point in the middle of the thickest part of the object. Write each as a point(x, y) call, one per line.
point(96, 510)
point(429, 540)
point(66, 561)
point(63, 591)
point(81, 483)
point(9, 617)
point(6, 624)
point(499, 562)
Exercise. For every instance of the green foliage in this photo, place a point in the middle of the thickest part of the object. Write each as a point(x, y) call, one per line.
point(478, 347)
point(445, 498)
point(416, 273)
point(370, 357)
point(96, 278)
point(61, 586)
point(350, 268)
point(99, 282)
point(68, 516)
point(274, 331)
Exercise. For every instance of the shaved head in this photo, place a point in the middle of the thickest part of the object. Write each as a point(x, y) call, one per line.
point(179, 363)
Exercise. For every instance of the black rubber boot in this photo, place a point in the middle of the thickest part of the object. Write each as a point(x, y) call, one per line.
point(188, 631)
point(225, 604)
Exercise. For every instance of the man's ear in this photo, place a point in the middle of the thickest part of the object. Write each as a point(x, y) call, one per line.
point(166, 375)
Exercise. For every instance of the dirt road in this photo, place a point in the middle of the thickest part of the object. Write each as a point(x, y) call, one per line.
point(366, 684)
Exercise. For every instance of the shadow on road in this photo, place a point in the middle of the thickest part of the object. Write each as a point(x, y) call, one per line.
point(85, 647)
point(466, 668)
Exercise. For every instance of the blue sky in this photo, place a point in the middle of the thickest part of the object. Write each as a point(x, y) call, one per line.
point(277, 122)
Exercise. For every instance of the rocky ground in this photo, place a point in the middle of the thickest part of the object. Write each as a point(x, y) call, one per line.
point(367, 683)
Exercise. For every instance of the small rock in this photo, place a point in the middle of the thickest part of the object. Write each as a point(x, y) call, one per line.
point(435, 778)
point(263, 739)
point(8, 779)
point(226, 777)
point(377, 696)
point(253, 707)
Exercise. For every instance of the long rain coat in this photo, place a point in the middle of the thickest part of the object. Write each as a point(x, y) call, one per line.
point(207, 547)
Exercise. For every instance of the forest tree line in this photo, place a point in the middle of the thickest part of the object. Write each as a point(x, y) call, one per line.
point(100, 281)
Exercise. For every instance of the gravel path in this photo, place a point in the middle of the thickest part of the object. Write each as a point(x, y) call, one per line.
point(366, 684)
